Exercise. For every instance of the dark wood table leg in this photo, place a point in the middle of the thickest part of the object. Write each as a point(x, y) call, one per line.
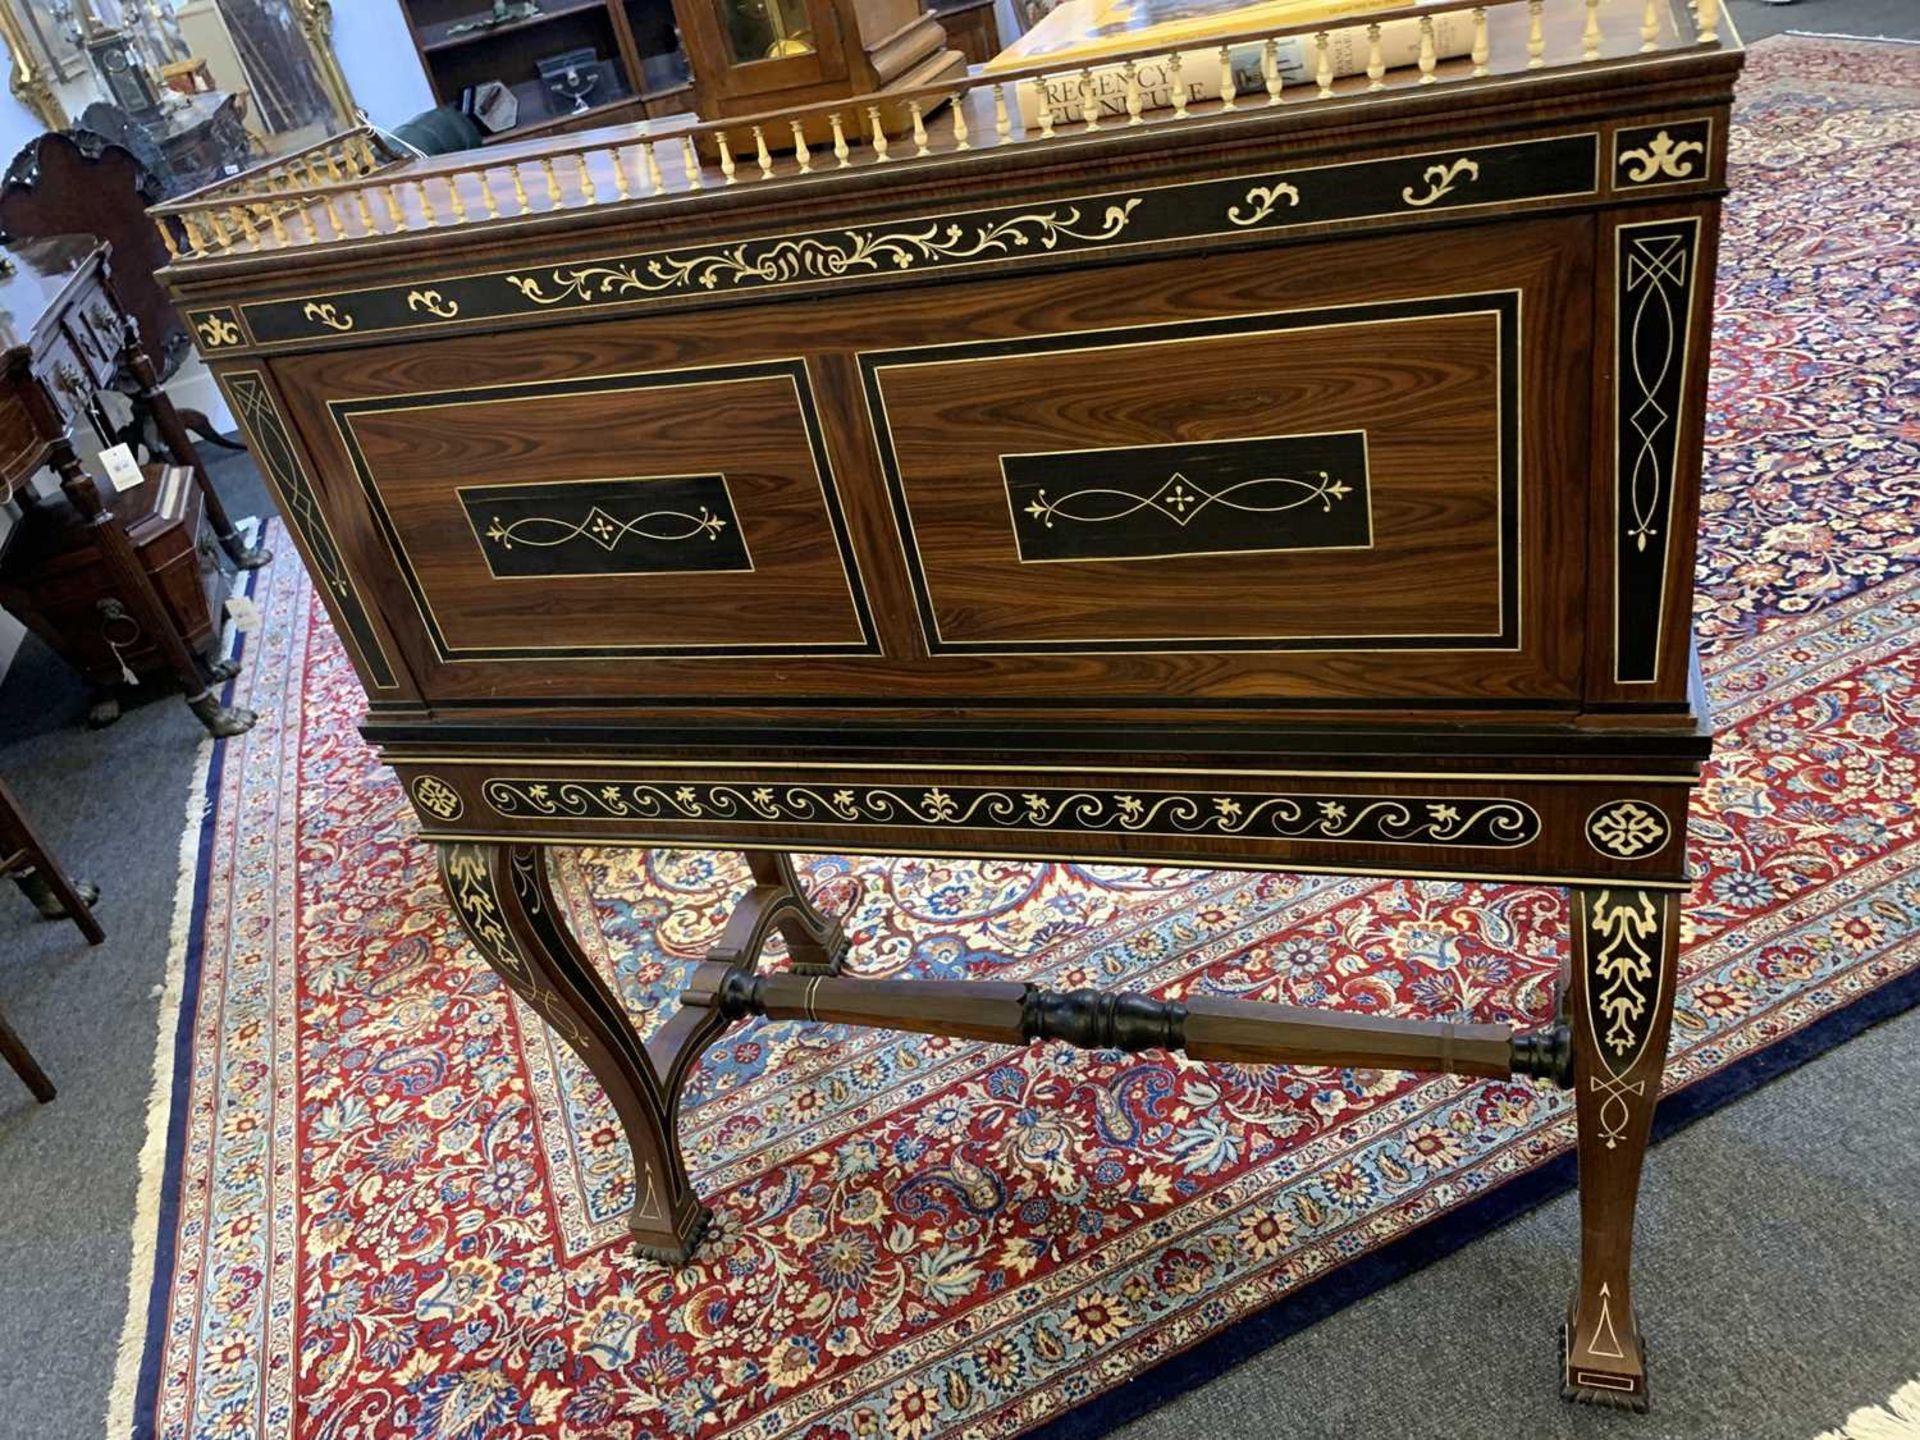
point(15, 1051)
point(141, 597)
point(1626, 944)
point(815, 942)
point(53, 892)
point(180, 449)
point(504, 899)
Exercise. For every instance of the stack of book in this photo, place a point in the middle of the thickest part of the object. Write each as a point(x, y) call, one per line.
point(1085, 35)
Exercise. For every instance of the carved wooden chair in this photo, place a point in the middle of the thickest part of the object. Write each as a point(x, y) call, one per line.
point(43, 880)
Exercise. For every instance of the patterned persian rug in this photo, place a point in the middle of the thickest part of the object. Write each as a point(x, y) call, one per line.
point(387, 1202)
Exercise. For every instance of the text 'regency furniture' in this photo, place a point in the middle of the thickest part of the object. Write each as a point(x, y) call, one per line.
point(63, 338)
point(1302, 482)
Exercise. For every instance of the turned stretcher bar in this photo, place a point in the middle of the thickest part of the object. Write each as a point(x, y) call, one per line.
point(1243, 1032)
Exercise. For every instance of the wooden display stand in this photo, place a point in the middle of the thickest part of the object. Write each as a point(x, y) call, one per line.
point(1305, 480)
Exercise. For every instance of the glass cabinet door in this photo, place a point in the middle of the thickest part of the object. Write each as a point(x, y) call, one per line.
point(768, 46)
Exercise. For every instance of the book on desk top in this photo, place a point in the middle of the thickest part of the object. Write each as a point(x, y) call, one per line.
point(1081, 30)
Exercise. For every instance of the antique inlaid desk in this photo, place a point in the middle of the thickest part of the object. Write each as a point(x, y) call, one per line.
point(1305, 481)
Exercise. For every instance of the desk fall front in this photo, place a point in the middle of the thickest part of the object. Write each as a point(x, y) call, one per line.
point(1303, 481)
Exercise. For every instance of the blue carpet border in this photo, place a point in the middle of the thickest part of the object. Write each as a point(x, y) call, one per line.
point(168, 1224)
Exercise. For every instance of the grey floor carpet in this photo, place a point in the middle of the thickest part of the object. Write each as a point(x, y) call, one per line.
point(1780, 1254)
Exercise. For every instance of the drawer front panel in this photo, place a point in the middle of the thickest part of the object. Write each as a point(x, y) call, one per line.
point(1333, 478)
point(664, 513)
point(1342, 474)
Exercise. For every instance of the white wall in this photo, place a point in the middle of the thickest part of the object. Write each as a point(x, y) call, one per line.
point(377, 54)
point(17, 123)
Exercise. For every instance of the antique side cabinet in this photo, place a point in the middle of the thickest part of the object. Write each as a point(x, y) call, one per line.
point(1305, 480)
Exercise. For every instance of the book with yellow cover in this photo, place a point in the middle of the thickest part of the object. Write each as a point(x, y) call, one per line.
point(1080, 31)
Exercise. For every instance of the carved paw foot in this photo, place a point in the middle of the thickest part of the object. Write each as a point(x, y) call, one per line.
point(103, 712)
point(222, 721)
point(218, 670)
point(246, 557)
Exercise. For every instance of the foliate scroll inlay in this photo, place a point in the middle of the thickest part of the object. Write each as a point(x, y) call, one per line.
point(1661, 154)
point(328, 315)
point(1541, 169)
point(468, 874)
point(1260, 202)
point(826, 257)
point(216, 329)
point(1440, 181)
point(1473, 822)
point(1628, 830)
point(1623, 952)
point(433, 302)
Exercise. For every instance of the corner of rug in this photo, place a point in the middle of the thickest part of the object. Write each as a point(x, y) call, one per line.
point(1898, 1419)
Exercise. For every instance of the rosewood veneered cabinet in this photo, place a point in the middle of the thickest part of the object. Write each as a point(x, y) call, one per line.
point(1307, 482)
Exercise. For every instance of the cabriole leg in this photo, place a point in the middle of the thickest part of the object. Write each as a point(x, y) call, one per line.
point(1625, 947)
point(504, 900)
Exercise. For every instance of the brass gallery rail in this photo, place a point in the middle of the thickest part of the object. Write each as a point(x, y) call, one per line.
point(358, 187)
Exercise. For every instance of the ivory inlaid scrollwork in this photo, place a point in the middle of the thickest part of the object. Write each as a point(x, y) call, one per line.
point(1661, 156)
point(327, 315)
point(1476, 822)
point(819, 257)
point(1260, 202)
point(604, 530)
point(1440, 180)
point(433, 302)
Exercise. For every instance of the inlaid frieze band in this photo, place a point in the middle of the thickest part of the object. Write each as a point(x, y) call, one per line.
point(647, 525)
point(1511, 173)
point(1288, 492)
point(1467, 822)
point(1653, 309)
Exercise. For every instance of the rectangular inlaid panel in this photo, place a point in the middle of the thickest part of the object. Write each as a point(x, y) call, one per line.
point(585, 517)
point(1339, 477)
point(1142, 502)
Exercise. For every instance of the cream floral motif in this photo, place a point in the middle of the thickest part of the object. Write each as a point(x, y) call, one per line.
point(1627, 829)
point(1260, 202)
point(1440, 180)
point(1662, 155)
point(437, 797)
